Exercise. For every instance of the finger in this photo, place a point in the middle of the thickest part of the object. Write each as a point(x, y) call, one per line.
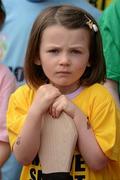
point(53, 112)
point(58, 111)
point(50, 110)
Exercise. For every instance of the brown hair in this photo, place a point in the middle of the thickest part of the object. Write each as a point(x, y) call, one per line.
point(71, 18)
point(2, 14)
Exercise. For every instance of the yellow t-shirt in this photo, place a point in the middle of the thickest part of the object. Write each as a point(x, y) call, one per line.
point(97, 103)
point(101, 4)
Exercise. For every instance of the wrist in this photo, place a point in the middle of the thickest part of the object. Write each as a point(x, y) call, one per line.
point(34, 114)
point(81, 120)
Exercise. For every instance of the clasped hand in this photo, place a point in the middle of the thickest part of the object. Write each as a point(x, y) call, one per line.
point(49, 99)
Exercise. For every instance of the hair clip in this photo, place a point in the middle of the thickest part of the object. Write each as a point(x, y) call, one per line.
point(95, 28)
point(91, 24)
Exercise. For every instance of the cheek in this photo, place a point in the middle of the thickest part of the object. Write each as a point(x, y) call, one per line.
point(80, 68)
point(84, 62)
point(81, 65)
point(47, 68)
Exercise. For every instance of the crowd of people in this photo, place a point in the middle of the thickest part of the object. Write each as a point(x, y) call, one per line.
point(59, 56)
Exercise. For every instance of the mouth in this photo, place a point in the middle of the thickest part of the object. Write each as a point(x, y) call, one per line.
point(63, 72)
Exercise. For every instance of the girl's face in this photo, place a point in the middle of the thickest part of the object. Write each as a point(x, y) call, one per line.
point(64, 56)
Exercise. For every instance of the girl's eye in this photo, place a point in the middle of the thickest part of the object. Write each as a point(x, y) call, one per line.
point(74, 51)
point(54, 51)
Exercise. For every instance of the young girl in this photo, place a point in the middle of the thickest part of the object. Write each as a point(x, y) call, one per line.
point(64, 68)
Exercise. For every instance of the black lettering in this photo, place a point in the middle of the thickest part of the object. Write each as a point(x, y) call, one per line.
point(33, 174)
point(18, 72)
point(36, 161)
point(81, 177)
point(78, 163)
point(39, 175)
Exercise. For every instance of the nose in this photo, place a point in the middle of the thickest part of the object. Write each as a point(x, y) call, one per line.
point(64, 60)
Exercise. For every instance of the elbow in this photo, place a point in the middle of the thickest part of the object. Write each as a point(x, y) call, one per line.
point(98, 164)
point(23, 160)
point(23, 155)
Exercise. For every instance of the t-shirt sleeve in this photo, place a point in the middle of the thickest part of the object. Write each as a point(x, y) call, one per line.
point(106, 126)
point(16, 115)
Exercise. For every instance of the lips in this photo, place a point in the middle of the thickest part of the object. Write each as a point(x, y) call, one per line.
point(63, 72)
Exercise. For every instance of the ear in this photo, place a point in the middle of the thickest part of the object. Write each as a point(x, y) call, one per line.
point(37, 62)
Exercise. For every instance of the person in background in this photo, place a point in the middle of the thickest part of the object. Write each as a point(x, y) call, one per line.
point(7, 86)
point(110, 27)
point(66, 76)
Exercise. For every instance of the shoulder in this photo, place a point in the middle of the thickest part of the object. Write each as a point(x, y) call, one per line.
point(99, 97)
point(23, 94)
point(23, 90)
point(97, 87)
point(95, 94)
point(96, 99)
point(98, 91)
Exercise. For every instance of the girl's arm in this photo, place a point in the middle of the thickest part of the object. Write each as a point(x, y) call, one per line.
point(87, 144)
point(28, 141)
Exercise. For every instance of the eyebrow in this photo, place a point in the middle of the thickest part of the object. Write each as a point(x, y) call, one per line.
point(58, 46)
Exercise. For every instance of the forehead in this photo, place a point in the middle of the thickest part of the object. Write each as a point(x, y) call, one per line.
point(59, 34)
